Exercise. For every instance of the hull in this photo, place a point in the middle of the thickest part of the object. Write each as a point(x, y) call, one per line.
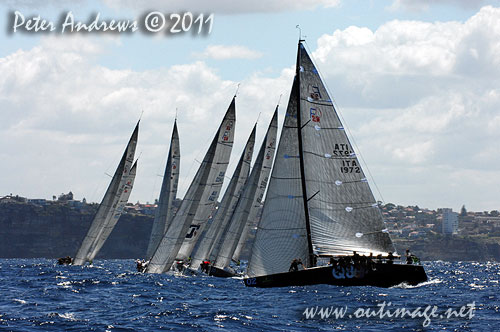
point(380, 275)
point(216, 272)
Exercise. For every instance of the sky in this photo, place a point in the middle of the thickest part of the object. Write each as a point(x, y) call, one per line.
point(416, 82)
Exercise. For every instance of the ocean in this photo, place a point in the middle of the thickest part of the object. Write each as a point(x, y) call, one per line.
point(38, 295)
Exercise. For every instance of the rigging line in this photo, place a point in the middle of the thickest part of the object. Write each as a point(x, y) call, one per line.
point(346, 127)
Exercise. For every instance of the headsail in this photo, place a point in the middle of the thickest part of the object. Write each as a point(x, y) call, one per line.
point(110, 199)
point(199, 199)
point(251, 196)
point(318, 196)
point(228, 204)
point(168, 192)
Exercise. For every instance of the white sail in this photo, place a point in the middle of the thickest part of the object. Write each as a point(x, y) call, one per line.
point(228, 204)
point(200, 197)
point(318, 196)
point(110, 199)
point(164, 212)
point(251, 196)
point(110, 223)
point(340, 201)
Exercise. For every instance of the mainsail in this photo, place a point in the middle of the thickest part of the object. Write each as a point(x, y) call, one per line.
point(318, 196)
point(110, 200)
point(117, 209)
point(247, 208)
point(164, 211)
point(227, 205)
point(199, 199)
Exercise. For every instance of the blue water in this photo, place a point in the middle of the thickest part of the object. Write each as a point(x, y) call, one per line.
point(37, 295)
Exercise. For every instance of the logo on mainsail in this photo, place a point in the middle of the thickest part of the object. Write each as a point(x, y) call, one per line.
point(315, 114)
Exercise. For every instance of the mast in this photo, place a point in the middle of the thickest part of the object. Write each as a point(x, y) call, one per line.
point(311, 260)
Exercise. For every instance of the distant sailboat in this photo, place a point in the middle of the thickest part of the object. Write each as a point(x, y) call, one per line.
point(318, 200)
point(168, 192)
point(109, 210)
point(117, 212)
point(226, 208)
point(199, 200)
point(249, 202)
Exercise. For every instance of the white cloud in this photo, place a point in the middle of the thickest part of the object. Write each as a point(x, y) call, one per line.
point(225, 52)
point(424, 98)
point(66, 119)
point(421, 5)
point(223, 6)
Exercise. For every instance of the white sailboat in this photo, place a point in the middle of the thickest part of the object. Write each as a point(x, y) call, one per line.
point(199, 200)
point(226, 208)
point(249, 202)
point(108, 205)
point(117, 212)
point(318, 199)
point(164, 212)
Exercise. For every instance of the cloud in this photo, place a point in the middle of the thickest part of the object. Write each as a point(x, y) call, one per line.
point(422, 5)
point(423, 98)
point(66, 119)
point(224, 6)
point(223, 52)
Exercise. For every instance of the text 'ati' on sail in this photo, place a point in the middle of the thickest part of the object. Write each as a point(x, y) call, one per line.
point(249, 202)
point(226, 208)
point(199, 200)
point(109, 202)
point(168, 192)
point(318, 196)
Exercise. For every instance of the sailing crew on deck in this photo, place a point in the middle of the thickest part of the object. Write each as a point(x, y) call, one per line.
point(409, 259)
point(390, 258)
point(294, 266)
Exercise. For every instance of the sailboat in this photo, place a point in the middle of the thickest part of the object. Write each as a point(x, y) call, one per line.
point(199, 200)
point(226, 208)
point(319, 204)
point(164, 212)
point(111, 206)
point(247, 208)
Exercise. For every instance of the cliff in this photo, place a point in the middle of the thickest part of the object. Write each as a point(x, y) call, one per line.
point(57, 230)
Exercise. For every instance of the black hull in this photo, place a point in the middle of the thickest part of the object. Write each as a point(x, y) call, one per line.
point(380, 275)
point(216, 272)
